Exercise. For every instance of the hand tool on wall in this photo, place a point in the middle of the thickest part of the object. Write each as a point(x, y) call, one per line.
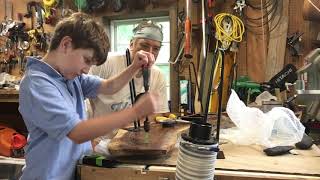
point(38, 38)
point(49, 11)
point(239, 5)
point(187, 31)
point(294, 43)
point(39, 14)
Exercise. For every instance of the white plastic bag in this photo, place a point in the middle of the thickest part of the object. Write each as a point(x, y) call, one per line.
point(287, 128)
point(277, 127)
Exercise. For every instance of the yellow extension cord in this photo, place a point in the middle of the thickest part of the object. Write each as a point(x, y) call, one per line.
point(225, 37)
point(236, 31)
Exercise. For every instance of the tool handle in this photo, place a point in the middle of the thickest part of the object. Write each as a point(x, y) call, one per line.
point(146, 78)
point(187, 44)
point(146, 125)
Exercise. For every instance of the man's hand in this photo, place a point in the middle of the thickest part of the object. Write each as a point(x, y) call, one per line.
point(143, 59)
point(147, 104)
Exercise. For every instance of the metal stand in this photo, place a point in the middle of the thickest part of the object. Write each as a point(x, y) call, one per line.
point(136, 123)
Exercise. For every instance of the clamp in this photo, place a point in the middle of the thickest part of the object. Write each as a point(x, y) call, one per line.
point(293, 42)
point(240, 4)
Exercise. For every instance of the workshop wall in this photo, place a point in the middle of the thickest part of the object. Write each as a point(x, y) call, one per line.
point(264, 50)
point(12, 59)
point(10, 54)
point(261, 54)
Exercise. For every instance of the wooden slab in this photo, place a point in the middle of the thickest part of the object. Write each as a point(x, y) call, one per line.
point(159, 141)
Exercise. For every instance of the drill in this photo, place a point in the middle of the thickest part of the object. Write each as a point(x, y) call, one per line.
point(146, 85)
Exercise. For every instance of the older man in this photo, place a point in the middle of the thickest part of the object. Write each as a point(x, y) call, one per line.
point(147, 37)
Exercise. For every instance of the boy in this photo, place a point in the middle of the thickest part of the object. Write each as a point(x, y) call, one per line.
point(52, 93)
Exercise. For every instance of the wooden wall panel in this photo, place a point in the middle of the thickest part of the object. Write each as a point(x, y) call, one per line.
point(20, 6)
point(252, 53)
point(297, 24)
point(256, 49)
point(277, 41)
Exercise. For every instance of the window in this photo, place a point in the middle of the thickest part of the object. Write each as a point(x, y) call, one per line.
point(121, 33)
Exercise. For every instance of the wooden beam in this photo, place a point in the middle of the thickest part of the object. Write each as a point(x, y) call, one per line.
point(277, 41)
point(174, 75)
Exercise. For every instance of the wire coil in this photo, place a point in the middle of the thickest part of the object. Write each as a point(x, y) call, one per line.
point(228, 28)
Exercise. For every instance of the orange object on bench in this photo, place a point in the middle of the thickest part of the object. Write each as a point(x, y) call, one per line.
point(10, 140)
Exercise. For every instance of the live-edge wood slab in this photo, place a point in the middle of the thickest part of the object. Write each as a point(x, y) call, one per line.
point(159, 141)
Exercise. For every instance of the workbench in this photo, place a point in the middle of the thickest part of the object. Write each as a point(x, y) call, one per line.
point(9, 114)
point(241, 162)
point(9, 95)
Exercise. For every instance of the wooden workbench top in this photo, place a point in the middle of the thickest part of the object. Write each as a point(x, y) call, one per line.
point(240, 163)
point(247, 158)
point(9, 91)
point(252, 158)
point(9, 95)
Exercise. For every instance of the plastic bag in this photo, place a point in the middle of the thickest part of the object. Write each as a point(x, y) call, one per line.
point(277, 127)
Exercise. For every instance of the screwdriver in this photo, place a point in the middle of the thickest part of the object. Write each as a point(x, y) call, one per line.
point(146, 85)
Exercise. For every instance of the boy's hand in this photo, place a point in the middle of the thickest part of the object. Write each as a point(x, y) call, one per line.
point(147, 104)
point(143, 59)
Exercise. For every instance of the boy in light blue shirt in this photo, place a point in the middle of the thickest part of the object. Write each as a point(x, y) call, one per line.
point(52, 93)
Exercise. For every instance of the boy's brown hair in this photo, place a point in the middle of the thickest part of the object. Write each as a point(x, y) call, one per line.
point(85, 33)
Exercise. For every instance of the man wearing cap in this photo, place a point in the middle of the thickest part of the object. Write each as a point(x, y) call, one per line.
point(147, 38)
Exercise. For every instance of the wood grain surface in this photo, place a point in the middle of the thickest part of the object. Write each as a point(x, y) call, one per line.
point(157, 142)
point(250, 158)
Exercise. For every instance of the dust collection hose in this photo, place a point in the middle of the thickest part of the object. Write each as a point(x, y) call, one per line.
point(197, 154)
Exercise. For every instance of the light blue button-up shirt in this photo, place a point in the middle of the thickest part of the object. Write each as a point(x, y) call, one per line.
point(51, 107)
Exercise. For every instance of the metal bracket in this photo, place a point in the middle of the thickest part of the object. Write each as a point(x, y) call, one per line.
point(293, 42)
point(240, 4)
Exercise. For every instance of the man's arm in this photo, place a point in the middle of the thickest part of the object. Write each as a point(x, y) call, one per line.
point(114, 84)
point(98, 126)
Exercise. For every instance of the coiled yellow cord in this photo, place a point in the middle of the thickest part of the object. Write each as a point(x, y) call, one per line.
point(226, 32)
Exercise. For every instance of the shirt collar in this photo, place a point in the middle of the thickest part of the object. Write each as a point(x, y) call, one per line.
point(38, 64)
